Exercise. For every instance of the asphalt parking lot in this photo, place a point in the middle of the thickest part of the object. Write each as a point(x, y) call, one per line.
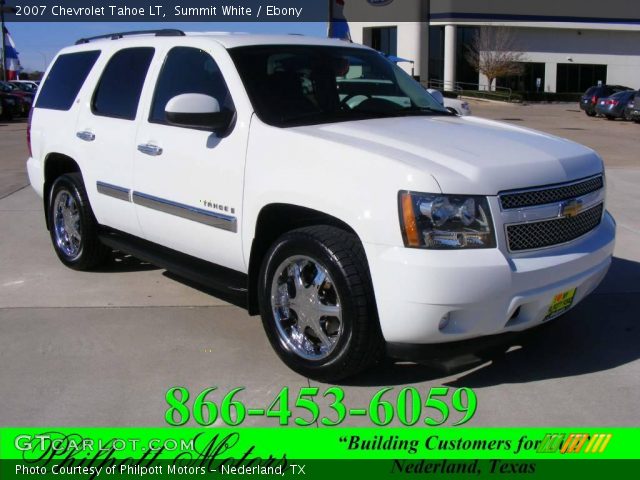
point(102, 348)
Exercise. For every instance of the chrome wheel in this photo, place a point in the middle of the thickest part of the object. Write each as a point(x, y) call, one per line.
point(67, 228)
point(306, 308)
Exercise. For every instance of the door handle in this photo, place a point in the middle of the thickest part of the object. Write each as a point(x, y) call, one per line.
point(86, 135)
point(149, 149)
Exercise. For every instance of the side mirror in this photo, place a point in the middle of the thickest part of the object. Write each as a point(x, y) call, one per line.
point(437, 94)
point(196, 110)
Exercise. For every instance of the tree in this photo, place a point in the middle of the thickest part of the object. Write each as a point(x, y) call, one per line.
point(494, 53)
point(34, 75)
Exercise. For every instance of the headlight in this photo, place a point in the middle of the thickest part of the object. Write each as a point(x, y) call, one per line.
point(434, 221)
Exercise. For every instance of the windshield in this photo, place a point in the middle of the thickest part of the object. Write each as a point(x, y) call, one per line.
point(292, 85)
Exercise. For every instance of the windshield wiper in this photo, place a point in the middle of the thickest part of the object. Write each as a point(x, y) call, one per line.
point(427, 110)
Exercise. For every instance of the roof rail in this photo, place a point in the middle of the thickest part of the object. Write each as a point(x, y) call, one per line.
point(167, 32)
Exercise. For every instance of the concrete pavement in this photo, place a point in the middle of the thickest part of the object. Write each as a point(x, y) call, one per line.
point(102, 348)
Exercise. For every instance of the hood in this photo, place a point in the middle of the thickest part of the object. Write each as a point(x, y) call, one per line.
point(467, 154)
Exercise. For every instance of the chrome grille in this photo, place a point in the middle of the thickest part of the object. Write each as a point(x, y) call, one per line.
point(545, 195)
point(529, 236)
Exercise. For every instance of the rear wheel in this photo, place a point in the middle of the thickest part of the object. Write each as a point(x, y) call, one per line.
point(72, 225)
point(610, 117)
point(317, 303)
point(590, 113)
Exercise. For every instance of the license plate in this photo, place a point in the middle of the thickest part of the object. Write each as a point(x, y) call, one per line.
point(561, 303)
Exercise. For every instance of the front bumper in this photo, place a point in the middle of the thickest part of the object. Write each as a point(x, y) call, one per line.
point(481, 292)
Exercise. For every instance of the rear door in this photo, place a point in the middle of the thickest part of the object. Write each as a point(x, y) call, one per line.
point(105, 136)
point(189, 182)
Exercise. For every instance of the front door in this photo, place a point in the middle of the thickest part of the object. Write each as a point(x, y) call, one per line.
point(189, 182)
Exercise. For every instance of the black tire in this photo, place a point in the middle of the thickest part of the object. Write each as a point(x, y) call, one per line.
point(360, 343)
point(590, 113)
point(610, 117)
point(88, 252)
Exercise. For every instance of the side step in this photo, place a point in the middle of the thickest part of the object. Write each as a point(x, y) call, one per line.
point(224, 283)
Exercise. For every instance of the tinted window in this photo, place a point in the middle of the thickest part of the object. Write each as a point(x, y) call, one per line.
point(623, 96)
point(118, 91)
point(65, 80)
point(574, 77)
point(188, 70)
point(292, 85)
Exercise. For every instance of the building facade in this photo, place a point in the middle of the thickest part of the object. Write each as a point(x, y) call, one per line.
point(567, 45)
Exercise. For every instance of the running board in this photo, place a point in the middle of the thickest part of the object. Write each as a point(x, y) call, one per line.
point(224, 283)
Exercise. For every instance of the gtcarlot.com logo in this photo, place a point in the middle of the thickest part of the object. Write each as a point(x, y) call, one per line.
point(574, 443)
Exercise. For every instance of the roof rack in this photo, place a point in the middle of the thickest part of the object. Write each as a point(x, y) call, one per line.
point(167, 32)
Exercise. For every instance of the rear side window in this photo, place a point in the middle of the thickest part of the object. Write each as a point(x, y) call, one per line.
point(203, 76)
point(65, 80)
point(118, 91)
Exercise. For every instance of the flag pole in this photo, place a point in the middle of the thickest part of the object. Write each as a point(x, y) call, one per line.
point(4, 43)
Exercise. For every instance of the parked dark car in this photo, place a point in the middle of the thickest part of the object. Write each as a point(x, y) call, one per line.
point(614, 106)
point(633, 108)
point(589, 100)
point(22, 100)
point(8, 87)
point(12, 106)
point(24, 86)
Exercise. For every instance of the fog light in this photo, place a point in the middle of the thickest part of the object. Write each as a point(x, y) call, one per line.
point(444, 321)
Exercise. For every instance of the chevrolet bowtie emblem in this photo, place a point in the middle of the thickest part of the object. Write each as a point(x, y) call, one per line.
point(570, 208)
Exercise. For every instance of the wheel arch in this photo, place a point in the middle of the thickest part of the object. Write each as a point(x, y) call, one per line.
point(274, 220)
point(55, 164)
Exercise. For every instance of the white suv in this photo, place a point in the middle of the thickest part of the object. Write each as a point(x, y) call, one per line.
point(315, 183)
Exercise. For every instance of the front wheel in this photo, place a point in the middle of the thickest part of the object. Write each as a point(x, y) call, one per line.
point(73, 227)
point(317, 303)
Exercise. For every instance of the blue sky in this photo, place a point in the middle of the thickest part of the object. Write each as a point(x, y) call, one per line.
point(37, 43)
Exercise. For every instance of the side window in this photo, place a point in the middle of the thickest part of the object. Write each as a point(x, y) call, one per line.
point(65, 80)
point(118, 91)
point(188, 70)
